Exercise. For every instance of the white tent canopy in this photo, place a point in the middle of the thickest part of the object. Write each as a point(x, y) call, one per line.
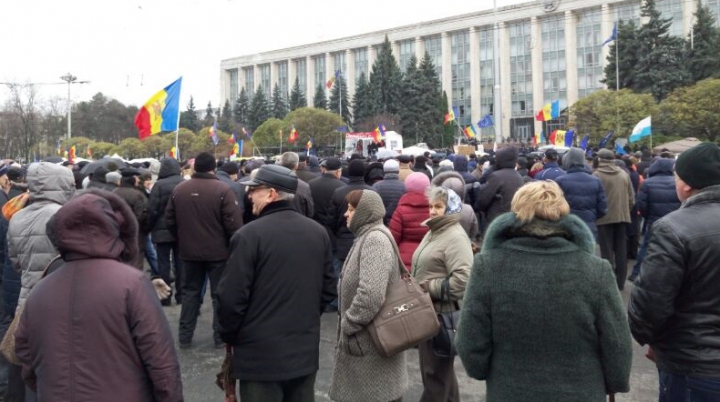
point(417, 149)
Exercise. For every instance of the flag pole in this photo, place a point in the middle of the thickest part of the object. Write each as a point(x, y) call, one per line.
point(177, 134)
point(617, 82)
point(340, 96)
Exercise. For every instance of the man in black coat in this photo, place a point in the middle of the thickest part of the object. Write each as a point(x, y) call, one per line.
point(390, 188)
point(494, 197)
point(277, 282)
point(302, 202)
point(303, 172)
point(322, 189)
point(165, 242)
point(228, 174)
point(675, 303)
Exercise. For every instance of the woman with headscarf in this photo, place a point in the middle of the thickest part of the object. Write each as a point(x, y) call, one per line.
point(361, 374)
point(445, 254)
point(412, 210)
point(543, 319)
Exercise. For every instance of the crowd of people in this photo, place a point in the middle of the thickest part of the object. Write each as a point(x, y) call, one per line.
point(507, 240)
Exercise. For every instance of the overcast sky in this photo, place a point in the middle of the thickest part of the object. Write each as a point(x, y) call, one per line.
point(130, 49)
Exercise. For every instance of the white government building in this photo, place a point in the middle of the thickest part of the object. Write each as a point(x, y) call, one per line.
point(549, 50)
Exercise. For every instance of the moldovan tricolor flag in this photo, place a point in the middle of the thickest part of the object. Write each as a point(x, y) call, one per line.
point(161, 112)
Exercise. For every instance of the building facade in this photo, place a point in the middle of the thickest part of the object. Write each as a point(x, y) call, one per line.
point(548, 50)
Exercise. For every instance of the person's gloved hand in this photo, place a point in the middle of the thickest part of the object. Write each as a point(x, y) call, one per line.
point(161, 288)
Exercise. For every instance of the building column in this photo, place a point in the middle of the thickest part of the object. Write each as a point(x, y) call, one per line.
point(257, 75)
point(537, 71)
point(371, 56)
point(241, 79)
point(688, 8)
point(292, 74)
point(310, 80)
point(419, 48)
point(273, 76)
point(571, 73)
point(446, 44)
point(474, 75)
point(606, 26)
point(505, 86)
point(395, 46)
point(350, 73)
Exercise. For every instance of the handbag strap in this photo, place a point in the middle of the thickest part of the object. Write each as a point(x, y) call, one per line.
point(401, 265)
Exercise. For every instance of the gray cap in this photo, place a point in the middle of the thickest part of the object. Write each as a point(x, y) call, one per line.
point(275, 176)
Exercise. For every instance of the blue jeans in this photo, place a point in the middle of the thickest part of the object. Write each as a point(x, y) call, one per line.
point(682, 388)
point(337, 270)
point(151, 256)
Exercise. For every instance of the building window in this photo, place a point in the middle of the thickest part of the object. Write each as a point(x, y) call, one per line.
point(361, 63)
point(589, 53)
point(301, 71)
point(320, 71)
point(249, 81)
point(433, 47)
point(672, 9)
point(460, 67)
point(487, 76)
point(714, 6)
point(339, 62)
point(233, 93)
point(521, 85)
point(407, 51)
point(554, 69)
point(283, 78)
point(629, 12)
point(265, 80)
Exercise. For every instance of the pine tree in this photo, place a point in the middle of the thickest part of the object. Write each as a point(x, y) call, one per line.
point(319, 100)
point(703, 48)
point(259, 109)
point(446, 136)
point(661, 66)
point(225, 120)
point(627, 52)
point(242, 105)
point(411, 111)
point(386, 81)
point(188, 118)
point(297, 96)
point(430, 122)
point(340, 86)
point(209, 118)
point(362, 100)
point(278, 106)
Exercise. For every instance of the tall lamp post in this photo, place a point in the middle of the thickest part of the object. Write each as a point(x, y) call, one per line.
point(70, 79)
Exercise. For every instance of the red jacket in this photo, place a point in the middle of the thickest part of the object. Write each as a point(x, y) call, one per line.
point(412, 210)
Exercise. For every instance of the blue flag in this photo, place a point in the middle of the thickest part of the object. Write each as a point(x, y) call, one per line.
point(486, 121)
point(605, 139)
point(619, 150)
point(584, 142)
point(342, 129)
point(612, 37)
point(456, 111)
point(569, 137)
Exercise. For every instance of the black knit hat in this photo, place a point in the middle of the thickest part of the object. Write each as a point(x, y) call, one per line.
point(356, 168)
point(699, 166)
point(205, 162)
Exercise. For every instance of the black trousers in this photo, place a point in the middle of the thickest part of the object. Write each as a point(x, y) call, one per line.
point(193, 280)
point(170, 270)
point(613, 247)
point(296, 390)
point(438, 376)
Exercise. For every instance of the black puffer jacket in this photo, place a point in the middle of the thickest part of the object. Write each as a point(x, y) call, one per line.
point(657, 196)
point(390, 190)
point(494, 197)
point(675, 304)
point(168, 177)
point(344, 236)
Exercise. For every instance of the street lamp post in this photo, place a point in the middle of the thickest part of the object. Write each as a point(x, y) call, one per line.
point(70, 79)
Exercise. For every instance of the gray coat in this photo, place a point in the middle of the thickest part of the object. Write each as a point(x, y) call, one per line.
point(361, 373)
point(30, 249)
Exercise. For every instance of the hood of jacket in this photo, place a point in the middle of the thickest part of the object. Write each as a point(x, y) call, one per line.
point(369, 212)
point(506, 227)
point(453, 181)
point(460, 164)
point(575, 157)
point(168, 167)
point(506, 158)
point(608, 167)
point(50, 182)
point(661, 167)
point(96, 224)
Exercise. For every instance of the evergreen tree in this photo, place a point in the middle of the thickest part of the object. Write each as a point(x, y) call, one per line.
point(627, 52)
point(259, 109)
point(297, 96)
point(319, 100)
point(362, 100)
point(242, 105)
point(661, 66)
point(446, 137)
point(386, 81)
point(279, 107)
point(188, 118)
point(703, 46)
point(411, 111)
point(431, 117)
point(339, 87)
point(225, 120)
point(209, 118)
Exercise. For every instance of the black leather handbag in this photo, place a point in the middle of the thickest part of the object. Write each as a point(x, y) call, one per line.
point(444, 342)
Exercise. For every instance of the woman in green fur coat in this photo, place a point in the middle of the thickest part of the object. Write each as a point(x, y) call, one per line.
point(543, 319)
